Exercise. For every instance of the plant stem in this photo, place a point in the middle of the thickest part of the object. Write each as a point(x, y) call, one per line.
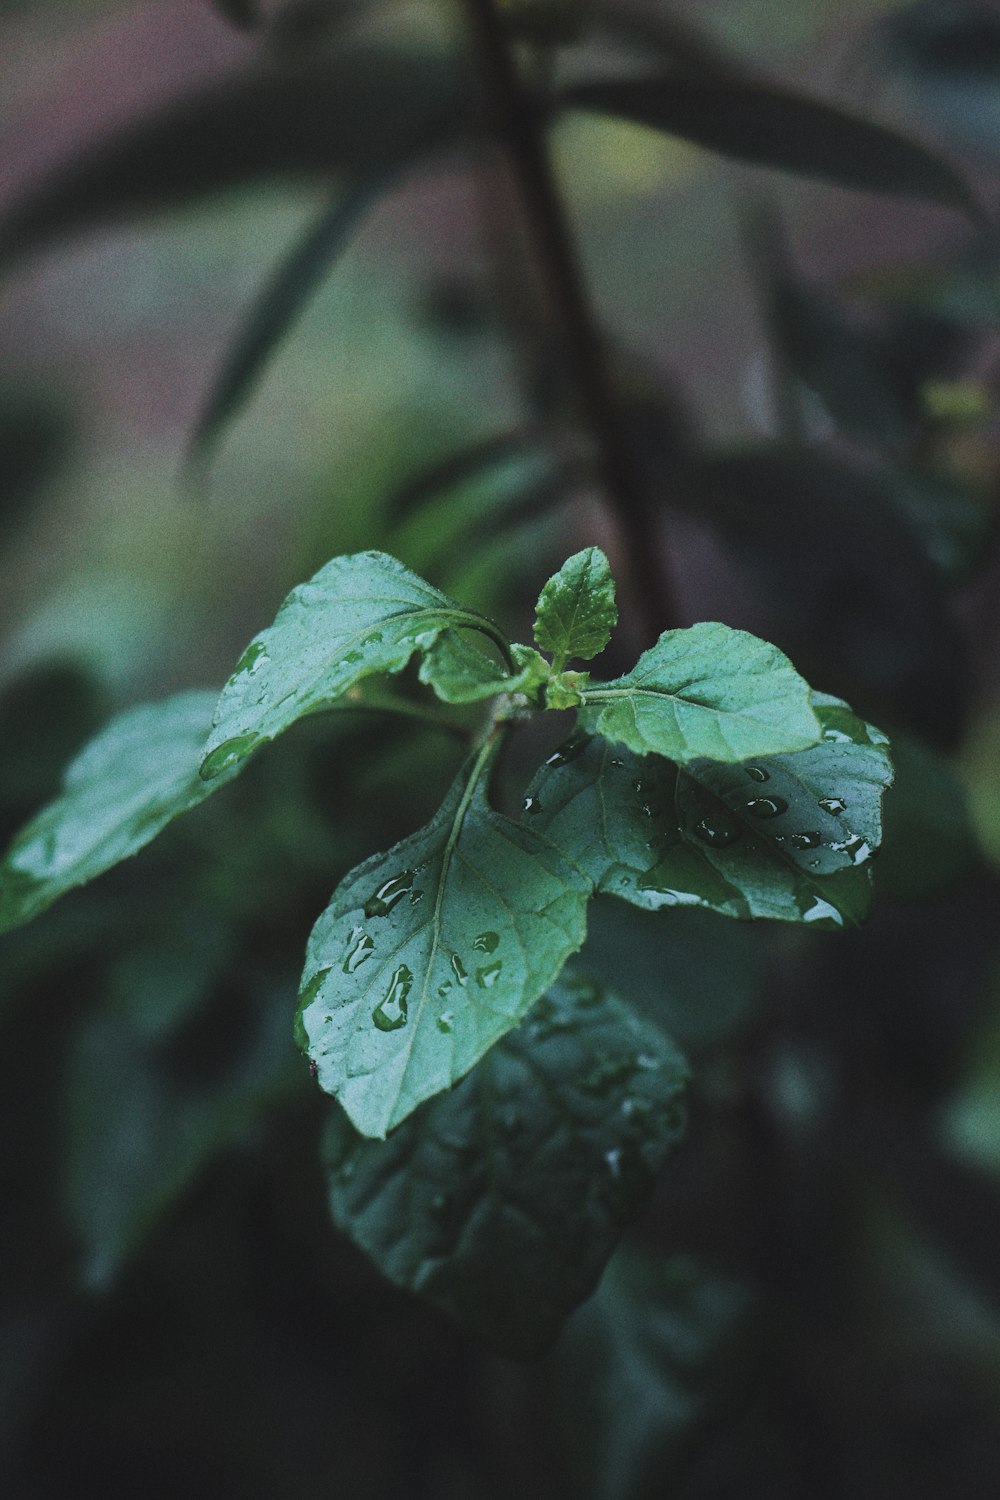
point(521, 125)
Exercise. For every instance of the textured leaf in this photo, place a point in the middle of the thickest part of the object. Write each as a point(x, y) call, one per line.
point(766, 125)
point(787, 837)
point(361, 109)
point(277, 307)
point(360, 614)
point(139, 773)
point(429, 953)
point(502, 1200)
point(576, 610)
point(705, 691)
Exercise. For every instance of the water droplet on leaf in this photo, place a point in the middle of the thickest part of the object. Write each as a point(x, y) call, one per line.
point(833, 805)
point(488, 976)
point(446, 1020)
point(758, 773)
point(805, 840)
point(382, 900)
point(532, 805)
point(573, 747)
point(390, 1013)
point(486, 942)
point(767, 807)
point(718, 829)
point(459, 970)
point(359, 949)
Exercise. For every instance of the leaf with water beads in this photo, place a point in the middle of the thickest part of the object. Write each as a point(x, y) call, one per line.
point(429, 953)
point(706, 691)
point(787, 837)
point(138, 774)
point(359, 615)
point(535, 1161)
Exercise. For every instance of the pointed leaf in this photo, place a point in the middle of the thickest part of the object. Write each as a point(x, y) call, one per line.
point(501, 1201)
point(137, 775)
point(429, 953)
point(576, 609)
point(770, 126)
point(278, 306)
point(705, 691)
point(788, 837)
point(360, 614)
point(362, 109)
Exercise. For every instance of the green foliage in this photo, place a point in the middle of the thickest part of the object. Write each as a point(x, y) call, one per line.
point(496, 1010)
point(527, 1171)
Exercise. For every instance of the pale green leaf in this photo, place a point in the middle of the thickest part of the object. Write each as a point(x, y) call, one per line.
point(429, 953)
point(126, 785)
point(576, 610)
point(788, 837)
point(706, 691)
point(359, 615)
point(535, 1162)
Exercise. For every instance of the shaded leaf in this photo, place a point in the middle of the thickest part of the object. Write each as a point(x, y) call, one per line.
point(949, 56)
point(429, 953)
point(460, 673)
point(576, 610)
point(787, 837)
point(767, 125)
point(359, 615)
point(361, 110)
point(277, 307)
point(640, 1367)
point(705, 691)
point(137, 775)
point(501, 1201)
point(140, 1133)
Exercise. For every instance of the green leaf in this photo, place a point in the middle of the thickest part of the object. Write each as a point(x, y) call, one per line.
point(787, 837)
point(640, 1368)
point(137, 775)
point(576, 609)
point(501, 1201)
point(278, 306)
point(705, 691)
point(360, 614)
point(429, 953)
point(460, 673)
point(767, 125)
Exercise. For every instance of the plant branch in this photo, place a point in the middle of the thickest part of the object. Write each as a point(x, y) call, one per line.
point(521, 125)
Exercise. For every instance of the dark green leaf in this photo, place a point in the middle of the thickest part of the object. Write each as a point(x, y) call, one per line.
point(278, 306)
point(949, 56)
point(359, 615)
point(641, 1365)
point(767, 125)
point(705, 691)
point(576, 610)
point(137, 775)
point(502, 1200)
point(363, 110)
point(429, 953)
point(787, 837)
point(140, 1132)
